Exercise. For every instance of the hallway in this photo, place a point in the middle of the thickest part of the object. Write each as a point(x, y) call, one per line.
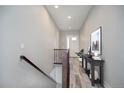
point(30, 34)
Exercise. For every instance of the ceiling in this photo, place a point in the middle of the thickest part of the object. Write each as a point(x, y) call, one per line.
point(76, 14)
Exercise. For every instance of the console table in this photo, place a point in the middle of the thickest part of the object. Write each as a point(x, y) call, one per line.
point(93, 63)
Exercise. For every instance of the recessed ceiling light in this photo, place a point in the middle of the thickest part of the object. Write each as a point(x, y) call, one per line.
point(69, 17)
point(56, 6)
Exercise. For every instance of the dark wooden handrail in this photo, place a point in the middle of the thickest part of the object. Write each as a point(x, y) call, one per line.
point(32, 64)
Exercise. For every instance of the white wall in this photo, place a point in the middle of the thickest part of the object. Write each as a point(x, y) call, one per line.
point(74, 45)
point(111, 18)
point(32, 26)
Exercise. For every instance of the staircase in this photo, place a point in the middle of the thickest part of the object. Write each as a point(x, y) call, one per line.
point(60, 72)
point(22, 57)
point(61, 58)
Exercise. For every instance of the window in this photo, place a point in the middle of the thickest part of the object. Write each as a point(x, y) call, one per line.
point(74, 38)
point(68, 42)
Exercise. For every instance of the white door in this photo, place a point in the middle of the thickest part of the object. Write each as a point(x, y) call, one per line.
point(73, 45)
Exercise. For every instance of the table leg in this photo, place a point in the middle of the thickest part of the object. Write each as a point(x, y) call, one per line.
point(92, 74)
point(101, 74)
point(86, 65)
point(82, 62)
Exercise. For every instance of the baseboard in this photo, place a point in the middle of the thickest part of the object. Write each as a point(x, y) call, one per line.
point(107, 85)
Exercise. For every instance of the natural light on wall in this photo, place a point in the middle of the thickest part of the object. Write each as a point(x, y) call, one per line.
point(74, 38)
point(67, 42)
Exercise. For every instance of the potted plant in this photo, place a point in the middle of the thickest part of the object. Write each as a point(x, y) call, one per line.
point(80, 54)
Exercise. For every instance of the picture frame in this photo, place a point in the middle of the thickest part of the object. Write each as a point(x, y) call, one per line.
point(96, 42)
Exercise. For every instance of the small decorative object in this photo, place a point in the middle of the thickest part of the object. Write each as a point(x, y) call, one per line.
point(89, 52)
point(95, 54)
point(80, 54)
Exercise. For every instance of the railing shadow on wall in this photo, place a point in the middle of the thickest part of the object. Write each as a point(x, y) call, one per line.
point(61, 56)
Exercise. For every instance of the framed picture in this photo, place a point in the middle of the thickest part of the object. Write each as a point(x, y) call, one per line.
point(95, 41)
